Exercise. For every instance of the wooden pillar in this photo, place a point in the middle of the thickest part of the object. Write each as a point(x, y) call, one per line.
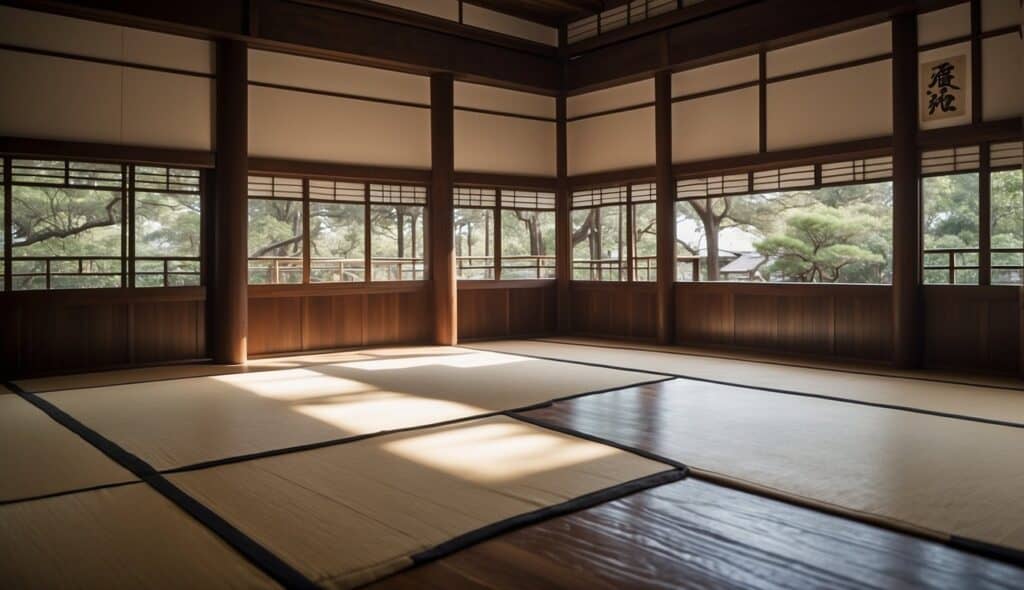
point(907, 304)
point(441, 247)
point(665, 301)
point(563, 223)
point(228, 294)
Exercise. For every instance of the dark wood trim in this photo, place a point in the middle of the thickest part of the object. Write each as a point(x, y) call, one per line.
point(666, 217)
point(306, 235)
point(332, 170)
point(830, 68)
point(228, 317)
point(506, 181)
point(610, 177)
point(977, 92)
point(442, 251)
point(104, 296)
point(714, 91)
point(1002, 130)
point(504, 114)
point(907, 303)
point(344, 95)
point(1011, 30)
point(563, 219)
point(861, 148)
point(327, 289)
point(984, 217)
point(105, 61)
point(103, 152)
point(486, 285)
point(762, 101)
point(8, 225)
point(635, 107)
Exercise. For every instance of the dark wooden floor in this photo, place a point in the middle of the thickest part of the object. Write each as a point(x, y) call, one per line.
point(693, 534)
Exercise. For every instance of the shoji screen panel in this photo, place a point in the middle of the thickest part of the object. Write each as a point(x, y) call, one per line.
point(710, 121)
point(310, 109)
point(998, 14)
point(945, 24)
point(504, 131)
point(73, 98)
point(1001, 73)
point(611, 129)
point(839, 105)
point(483, 18)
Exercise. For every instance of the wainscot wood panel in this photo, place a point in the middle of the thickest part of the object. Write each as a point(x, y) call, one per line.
point(843, 321)
point(47, 332)
point(296, 318)
point(506, 309)
point(972, 328)
point(617, 310)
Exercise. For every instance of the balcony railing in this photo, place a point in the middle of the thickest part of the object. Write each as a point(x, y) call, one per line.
point(645, 268)
point(525, 266)
point(85, 272)
point(277, 270)
point(952, 265)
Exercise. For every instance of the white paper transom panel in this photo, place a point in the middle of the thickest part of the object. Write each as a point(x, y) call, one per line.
point(940, 25)
point(490, 98)
point(841, 105)
point(611, 142)
point(446, 9)
point(483, 18)
point(1001, 73)
point(167, 110)
point(319, 74)
point(715, 126)
point(998, 14)
point(332, 129)
point(510, 145)
point(51, 32)
point(616, 97)
point(715, 76)
point(837, 49)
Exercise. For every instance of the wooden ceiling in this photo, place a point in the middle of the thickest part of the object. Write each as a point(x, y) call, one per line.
point(548, 12)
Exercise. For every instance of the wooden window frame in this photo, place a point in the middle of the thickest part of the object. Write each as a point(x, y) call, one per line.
point(627, 266)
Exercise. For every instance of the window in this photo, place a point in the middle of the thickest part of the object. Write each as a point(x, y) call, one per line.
point(345, 221)
point(473, 222)
point(958, 185)
point(397, 215)
point(337, 230)
point(614, 230)
point(68, 228)
point(167, 212)
point(275, 230)
point(527, 235)
point(815, 223)
point(503, 233)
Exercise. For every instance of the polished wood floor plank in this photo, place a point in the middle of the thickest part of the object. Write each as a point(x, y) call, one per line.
point(693, 534)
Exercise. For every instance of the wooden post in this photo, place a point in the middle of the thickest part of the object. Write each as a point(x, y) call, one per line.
point(907, 303)
point(228, 294)
point(666, 220)
point(1020, 298)
point(563, 223)
point(441, 243)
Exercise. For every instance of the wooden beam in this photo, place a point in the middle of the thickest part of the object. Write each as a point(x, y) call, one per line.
point(228, 302)
point(441, 247)
point(908, 334)
point(666, 219)
point(563, 223)
point(105, 152)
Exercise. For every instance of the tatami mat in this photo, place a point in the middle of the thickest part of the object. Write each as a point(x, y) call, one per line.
point(934, 475)
point(980, 402)
point(123, 537)
point(176, 423)
point(40, 457)
point(349, 514)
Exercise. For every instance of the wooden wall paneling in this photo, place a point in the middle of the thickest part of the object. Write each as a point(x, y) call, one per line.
point(972, 328)
point(483, 313)
point(382, 318)
point(333, 321)
point(806, 323)
point(755, 317)
point(531, 312)
point(166, 331)
point(229, 272)
point(414, 325)
point(906, 290)
point(275, 324)
point(706, 315)
point(863, 326)
point(442, 250)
